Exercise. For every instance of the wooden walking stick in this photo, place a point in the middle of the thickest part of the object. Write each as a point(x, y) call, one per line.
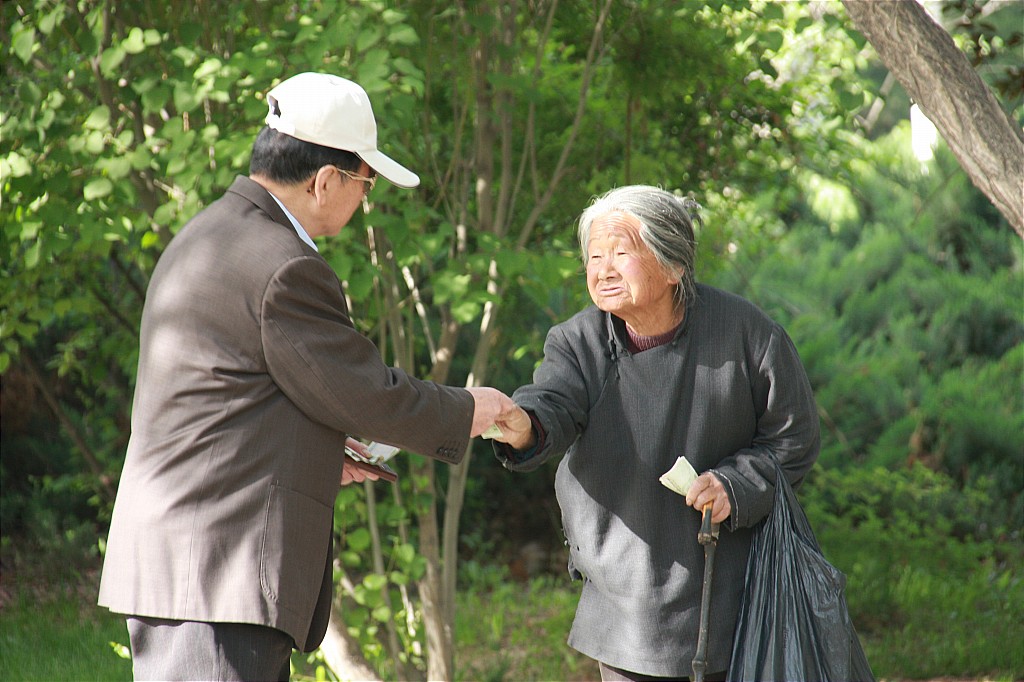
point(707, 536)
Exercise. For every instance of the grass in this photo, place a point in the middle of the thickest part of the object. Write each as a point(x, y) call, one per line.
point(511, 631)
point(50, 629)
point(970, 625)
point(505, 631)
point(55, 632)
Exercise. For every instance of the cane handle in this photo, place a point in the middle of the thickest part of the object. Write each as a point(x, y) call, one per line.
point(708, 531)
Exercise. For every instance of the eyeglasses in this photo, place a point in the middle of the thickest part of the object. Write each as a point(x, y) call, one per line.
point(370, 182)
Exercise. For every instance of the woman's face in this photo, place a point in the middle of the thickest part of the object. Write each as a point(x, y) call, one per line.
point(624, 277)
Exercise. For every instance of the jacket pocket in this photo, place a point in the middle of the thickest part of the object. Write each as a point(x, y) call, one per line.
point(296, 538)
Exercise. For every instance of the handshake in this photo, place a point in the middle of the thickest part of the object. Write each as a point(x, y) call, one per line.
point(496, 416)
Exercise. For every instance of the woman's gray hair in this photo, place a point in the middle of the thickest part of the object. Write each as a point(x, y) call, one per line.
point(666, 228)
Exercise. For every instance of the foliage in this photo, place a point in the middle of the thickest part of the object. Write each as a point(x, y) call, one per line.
point(908, 318)
point(991, 34)
point(930, 568)
point(126, 119)
point(378, 568)
point(121, 120)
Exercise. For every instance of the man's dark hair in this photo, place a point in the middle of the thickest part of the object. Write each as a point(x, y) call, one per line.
point(288, 160)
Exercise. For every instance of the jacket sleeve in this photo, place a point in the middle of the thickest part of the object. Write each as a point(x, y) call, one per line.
point(787, 430)
point(559, 399)
point(336, 376)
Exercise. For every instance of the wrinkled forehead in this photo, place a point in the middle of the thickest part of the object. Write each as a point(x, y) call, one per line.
point(616, 226)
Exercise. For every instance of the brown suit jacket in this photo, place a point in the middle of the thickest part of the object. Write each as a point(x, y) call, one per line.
point(251, 375)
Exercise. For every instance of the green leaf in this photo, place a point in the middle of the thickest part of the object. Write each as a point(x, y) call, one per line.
point(98, 119)
point(51, 19)
point(406, 67)
point(375, 581)
point(32, 255)
point(367, 38)
point(851, 101)
point(93, 142)
point(359, 285)
point(30, 229)
point(177, 165)
point(374, 71)
point(153, 99)
point(403, 35)
point(14, 166)
point(23, 42)
point(211, 67)
point(773, 40)
point(98, 188)
point(358, 540)
point(140, 158)
point(116, 168)
point(184, 96)
point(135, 42)
point(450, 285)
point(405, 552)
point(773, 11)
point(29, 91)
point(150, 239)
point(111, 59)
point(165, 213)
point(392, 16)
point(466, 311)
point(187, 56)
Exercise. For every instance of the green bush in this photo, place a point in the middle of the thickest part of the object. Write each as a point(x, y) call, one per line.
point(934, 578)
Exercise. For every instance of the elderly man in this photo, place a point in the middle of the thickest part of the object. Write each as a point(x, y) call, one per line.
point(251, 375)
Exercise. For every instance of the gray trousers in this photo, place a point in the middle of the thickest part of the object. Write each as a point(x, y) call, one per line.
point(186, 650)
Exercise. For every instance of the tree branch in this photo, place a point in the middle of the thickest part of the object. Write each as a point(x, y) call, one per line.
point(581, 107)
point(106, 490)
point(936, 74)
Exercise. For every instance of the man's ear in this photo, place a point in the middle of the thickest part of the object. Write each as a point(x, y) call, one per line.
point(319, 185)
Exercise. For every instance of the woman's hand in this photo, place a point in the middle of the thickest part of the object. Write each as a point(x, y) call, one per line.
point(516, 428)
point(708, 488)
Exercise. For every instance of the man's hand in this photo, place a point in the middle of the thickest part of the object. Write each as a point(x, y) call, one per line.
point(355, 471)
point(489, 407)
point(707, 488)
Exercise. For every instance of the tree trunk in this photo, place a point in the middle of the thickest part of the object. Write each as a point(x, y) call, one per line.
point(486, 168)
point(342, 653)
point(925, 60)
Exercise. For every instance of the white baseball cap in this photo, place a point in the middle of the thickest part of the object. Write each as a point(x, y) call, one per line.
point(333, 112)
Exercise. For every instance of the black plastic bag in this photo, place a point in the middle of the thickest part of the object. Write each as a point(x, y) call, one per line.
point(793, 622)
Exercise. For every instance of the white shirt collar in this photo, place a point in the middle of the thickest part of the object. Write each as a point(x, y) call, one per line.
point(303, 235)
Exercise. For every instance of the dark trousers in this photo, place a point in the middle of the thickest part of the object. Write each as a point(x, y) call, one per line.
point(610, 674)
point(187, 650)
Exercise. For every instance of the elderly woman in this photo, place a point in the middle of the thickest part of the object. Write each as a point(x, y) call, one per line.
point(659, 367)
